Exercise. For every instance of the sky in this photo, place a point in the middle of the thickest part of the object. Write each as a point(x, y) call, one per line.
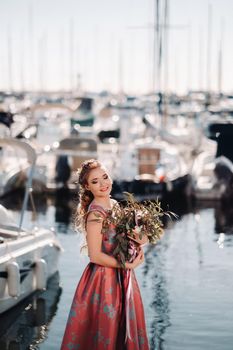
point(100, 45)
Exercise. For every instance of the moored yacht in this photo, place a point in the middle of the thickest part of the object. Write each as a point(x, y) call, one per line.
point(28, 258)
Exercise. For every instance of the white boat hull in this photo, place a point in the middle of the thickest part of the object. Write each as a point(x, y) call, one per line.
point(26, 250)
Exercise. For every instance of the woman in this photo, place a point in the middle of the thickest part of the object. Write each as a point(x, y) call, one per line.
point(107, 311)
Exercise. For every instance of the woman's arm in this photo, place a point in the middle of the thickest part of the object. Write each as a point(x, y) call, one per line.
point(94, 242)
point(141, 241)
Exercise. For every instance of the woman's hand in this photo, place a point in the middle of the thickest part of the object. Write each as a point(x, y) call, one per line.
point(134, 236)
point(137, 261)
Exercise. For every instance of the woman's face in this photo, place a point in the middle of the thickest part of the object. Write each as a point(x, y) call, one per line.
point(99, 182)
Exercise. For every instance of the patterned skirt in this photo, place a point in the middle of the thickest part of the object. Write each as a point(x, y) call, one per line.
point(106, 312)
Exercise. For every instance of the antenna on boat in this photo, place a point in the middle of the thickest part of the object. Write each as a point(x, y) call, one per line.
point(27, 191)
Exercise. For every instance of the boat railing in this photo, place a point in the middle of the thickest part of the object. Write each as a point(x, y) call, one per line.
point(31, 157)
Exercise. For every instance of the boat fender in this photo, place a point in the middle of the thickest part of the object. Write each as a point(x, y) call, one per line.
point(41, 274)
point(13, 279)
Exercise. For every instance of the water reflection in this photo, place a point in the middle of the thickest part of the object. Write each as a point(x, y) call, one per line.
point(197, 230)
point(15, 200)
point(224, 219)
point(155, 269)
point(63, 208)
point(177, 275)
point(63, 202)
point(27, 325)
point(155, 263)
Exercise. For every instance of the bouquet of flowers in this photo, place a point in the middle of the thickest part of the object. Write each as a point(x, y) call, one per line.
point(135, 224)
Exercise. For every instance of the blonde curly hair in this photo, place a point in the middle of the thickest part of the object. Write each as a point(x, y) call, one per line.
point(85, 196)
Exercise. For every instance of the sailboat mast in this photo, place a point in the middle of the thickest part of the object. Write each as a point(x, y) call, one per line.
point(200, 60)
point(31, 44)
point(71, 55)
point(21, 70)
point(165, 43)
point(120, 69)
point(62, 53)
point(165, 60)
point(42, 50)
point(209, 46)
point(156, 26)
point(220, 61)
point(9, 51)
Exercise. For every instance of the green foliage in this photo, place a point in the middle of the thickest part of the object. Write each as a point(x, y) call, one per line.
point(135, 220)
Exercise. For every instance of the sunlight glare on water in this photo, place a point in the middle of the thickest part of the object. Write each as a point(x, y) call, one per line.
point(186, 283)
point(186, 286)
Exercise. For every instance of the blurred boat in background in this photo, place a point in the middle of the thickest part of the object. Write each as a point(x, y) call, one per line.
point(83, 115)
point(15, 167)
point(212, 170)
point(28, 258)
point(151, 169)
point(143, 163)
point(166, 132)
point(70, 154)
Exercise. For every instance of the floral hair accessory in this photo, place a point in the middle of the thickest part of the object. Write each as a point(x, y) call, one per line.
point(85, 168)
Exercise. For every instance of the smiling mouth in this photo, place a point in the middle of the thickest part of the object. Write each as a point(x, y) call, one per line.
point(104, 189)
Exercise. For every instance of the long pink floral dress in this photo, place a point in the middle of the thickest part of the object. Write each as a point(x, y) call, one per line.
point(107, 310)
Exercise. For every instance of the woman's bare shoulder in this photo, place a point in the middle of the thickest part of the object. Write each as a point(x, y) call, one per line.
point(94, 217)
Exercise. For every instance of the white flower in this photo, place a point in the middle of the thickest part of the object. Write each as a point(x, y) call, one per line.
point(138, 229)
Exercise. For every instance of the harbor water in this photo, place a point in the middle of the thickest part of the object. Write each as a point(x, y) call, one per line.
point(186, 282)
